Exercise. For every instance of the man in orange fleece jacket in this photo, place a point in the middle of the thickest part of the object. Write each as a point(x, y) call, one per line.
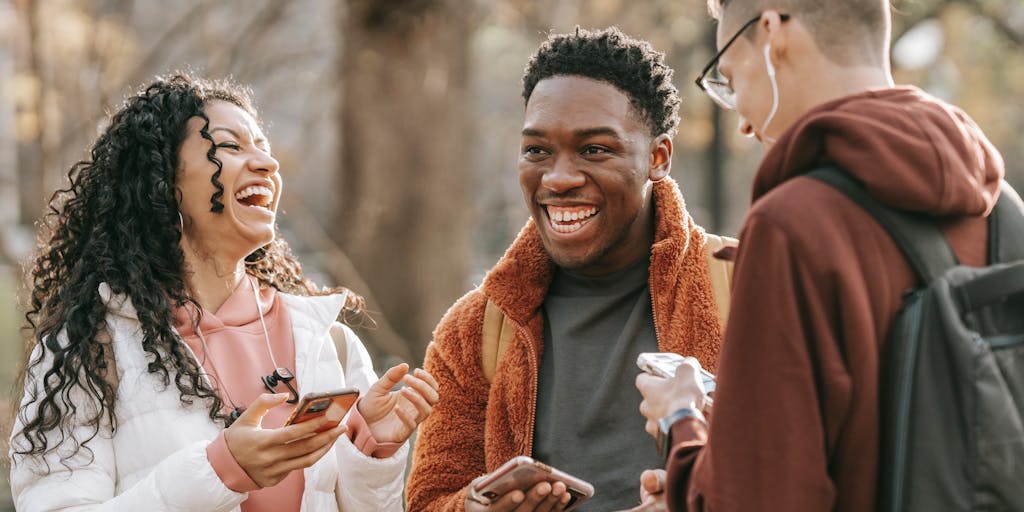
point(818, 282)
point(610, 265)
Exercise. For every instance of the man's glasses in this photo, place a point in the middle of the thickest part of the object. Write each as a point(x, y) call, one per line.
point(713, 83)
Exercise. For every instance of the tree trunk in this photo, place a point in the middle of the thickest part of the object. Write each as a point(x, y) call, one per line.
point(8, 147)
point(29, 111)
point(402, 204)
point(716, 160)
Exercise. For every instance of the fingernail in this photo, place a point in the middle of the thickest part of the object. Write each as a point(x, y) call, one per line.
point(518, 497)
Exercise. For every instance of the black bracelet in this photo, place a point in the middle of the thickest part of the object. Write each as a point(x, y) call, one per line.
point(665, 428)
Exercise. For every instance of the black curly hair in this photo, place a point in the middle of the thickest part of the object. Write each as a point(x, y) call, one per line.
point(117, 222)
point(631, 65)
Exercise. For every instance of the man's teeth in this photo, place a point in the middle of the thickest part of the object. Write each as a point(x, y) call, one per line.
point(566, 228)
point(559, 216)
point(264, 192)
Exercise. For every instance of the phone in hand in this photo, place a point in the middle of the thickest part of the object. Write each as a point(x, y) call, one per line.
point(664, 364)
point(523, 473)
point(332, 404)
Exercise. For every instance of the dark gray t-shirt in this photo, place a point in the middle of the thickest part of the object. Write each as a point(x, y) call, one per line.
point(588, 422)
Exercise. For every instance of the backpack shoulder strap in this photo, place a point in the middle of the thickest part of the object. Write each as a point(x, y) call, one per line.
point(497, 332)
point(720, 272)
point(1006, 227)
point(917, 237)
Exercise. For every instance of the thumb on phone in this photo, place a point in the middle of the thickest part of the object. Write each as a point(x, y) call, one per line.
point(253, 415)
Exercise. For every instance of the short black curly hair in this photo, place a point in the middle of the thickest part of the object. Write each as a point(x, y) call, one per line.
point(631, 65)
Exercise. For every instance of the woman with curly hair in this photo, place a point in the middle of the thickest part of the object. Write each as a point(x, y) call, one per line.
point(164, 308)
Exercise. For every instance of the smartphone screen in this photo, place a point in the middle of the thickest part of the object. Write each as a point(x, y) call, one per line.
point(333, 404)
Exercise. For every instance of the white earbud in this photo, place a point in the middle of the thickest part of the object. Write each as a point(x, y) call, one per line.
point(775, 94)
point(768, 60)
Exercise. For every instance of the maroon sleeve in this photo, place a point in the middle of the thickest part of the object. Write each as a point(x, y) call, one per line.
point(766, 449)
point(690, 436)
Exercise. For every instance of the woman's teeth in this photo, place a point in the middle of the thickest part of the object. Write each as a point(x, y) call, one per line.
point(255, 196)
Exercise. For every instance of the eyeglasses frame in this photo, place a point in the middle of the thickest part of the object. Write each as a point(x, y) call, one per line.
point(704, 79)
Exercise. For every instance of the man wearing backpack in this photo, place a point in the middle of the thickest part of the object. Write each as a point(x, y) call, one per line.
point(609, 266)
point(818, 281)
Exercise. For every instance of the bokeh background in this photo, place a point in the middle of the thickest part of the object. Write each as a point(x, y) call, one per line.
point(397, 121)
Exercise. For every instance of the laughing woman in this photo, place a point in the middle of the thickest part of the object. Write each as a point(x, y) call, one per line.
point(167, 318)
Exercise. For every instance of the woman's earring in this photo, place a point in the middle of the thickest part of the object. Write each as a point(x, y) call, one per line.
point(181, 222)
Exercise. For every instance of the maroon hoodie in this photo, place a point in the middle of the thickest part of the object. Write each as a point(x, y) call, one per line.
point(817, 283)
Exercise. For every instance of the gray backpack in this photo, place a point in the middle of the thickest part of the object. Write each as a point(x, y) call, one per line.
point(952, 390)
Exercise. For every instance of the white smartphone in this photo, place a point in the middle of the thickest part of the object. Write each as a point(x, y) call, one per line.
point(664, 364)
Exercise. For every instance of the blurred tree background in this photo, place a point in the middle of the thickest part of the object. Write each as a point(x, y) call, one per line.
point(397, 121)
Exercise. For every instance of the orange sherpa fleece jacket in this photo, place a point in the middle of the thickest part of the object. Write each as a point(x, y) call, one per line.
point(476, 426)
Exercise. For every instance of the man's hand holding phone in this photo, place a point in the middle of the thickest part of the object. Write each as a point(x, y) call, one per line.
point(525, 485)
point(542, 497)
point(663, 396)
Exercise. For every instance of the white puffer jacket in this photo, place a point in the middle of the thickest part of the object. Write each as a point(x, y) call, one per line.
point(156, 460)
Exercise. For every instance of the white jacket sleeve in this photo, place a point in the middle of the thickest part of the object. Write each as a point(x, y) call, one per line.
point(364, 483)
point(86, 480)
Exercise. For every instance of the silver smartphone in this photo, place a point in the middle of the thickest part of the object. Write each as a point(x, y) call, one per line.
point(664, 364)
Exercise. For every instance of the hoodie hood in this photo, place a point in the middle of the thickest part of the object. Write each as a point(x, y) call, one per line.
point(912, 151)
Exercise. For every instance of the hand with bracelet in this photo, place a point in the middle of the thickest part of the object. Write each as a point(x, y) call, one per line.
point(667, 400)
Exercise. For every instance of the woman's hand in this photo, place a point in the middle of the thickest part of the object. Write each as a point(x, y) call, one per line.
point(664, 396)
point(267, 456)
point(392, 416)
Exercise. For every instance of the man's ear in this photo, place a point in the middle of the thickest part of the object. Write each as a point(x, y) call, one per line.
point(661, 157)
point(773, 25)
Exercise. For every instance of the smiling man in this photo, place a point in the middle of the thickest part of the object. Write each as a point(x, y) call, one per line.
point(609, 266)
